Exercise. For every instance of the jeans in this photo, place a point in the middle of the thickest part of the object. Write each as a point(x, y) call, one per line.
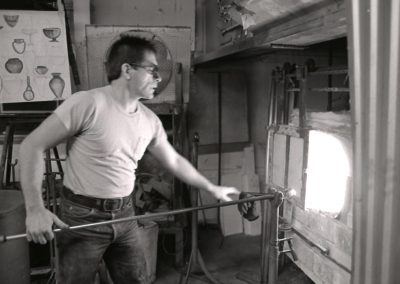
point(80, 251)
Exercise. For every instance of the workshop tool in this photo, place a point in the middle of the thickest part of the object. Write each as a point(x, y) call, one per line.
point(270, 196)
point(13, 165)
point(248, 209)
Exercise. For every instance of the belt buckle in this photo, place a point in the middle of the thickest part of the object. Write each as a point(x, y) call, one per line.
point(109, 204)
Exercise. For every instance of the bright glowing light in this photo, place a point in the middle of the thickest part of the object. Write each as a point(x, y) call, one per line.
point(327, 172)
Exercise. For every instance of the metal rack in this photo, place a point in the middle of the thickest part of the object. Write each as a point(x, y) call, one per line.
point(289, 88)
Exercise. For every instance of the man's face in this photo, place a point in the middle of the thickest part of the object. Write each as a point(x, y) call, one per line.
point(145, 77)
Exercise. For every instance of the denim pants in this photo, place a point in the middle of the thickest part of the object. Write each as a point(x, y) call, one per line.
point(80, 251)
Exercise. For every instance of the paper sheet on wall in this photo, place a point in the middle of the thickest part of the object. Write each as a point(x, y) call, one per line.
point(33, 56)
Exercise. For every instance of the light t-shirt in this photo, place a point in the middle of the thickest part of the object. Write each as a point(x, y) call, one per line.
point(108, 143)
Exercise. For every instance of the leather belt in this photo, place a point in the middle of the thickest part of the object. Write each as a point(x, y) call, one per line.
point(103, 204)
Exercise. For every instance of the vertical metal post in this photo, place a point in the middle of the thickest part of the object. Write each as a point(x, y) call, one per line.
point(274, 239)
point(330, 94)
point(9, 145)
point(302, 77)
point(50, 183)
point(194, 198)
point(265, 241)
point(4, 155)
point(58, 161)
point(265, 205)
point(219, 177)
point(219, 126)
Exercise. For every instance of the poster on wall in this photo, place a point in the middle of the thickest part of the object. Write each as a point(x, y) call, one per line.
point(33, 57)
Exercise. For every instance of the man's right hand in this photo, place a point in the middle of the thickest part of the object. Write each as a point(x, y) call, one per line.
point(39, 224)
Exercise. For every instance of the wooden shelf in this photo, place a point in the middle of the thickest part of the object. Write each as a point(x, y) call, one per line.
point(323, 22)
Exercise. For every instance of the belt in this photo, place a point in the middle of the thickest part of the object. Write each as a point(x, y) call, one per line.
point(103, 204)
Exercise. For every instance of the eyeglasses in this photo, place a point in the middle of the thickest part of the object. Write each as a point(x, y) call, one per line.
point(151, 69)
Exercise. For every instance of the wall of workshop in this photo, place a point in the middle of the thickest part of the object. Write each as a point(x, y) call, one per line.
point(257, 77)
point(326, 231)
point(204, 111)
point(245, 109)
point(152, 13)
point(144, 13)
point(258, 72)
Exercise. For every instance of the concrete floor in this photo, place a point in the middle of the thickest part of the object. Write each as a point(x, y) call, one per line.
point(237, 253)
point(238, 256)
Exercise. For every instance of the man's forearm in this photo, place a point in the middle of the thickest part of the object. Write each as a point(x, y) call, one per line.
point(32, 168)
point(188, 174)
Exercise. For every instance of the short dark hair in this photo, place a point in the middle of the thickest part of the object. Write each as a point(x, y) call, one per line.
point(126, 49)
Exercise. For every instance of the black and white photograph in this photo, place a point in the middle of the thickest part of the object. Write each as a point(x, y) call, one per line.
point(199, 141)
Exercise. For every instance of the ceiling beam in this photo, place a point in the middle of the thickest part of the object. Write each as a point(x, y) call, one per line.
point(319, 23)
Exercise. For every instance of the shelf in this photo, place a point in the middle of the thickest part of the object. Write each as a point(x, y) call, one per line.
point(323, 22)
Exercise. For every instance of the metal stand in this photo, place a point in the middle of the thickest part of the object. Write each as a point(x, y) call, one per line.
point(10, 122)
point(281, 100)
point(7, 169)
point(269, 244)
point(51, 202)
point(195, 256)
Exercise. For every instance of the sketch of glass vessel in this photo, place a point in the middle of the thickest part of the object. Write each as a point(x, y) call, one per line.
point(11, 20)
point(14, 65)
point(19, 45)
point(28, 93)
point(30, 33)
point(57, 85)
point(41, 70)
point(52, 33)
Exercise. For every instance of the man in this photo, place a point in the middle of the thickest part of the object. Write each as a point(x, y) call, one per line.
point(107, 131)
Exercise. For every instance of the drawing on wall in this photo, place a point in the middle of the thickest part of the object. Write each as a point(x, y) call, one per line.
point(52, 33)
point(33, 56)
point(19, 45)
point(14, 66)
point(11, 20)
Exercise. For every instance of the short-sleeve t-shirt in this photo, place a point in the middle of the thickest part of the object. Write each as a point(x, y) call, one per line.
point(107, 143)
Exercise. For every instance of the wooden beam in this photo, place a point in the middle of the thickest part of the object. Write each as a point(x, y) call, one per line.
point(322, 22)
point(317, 24)
point(237, 47)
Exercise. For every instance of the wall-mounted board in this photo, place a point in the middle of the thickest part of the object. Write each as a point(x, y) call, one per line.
point(34, 63)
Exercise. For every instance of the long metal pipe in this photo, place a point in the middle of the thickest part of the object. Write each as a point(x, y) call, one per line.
point(270, 196)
